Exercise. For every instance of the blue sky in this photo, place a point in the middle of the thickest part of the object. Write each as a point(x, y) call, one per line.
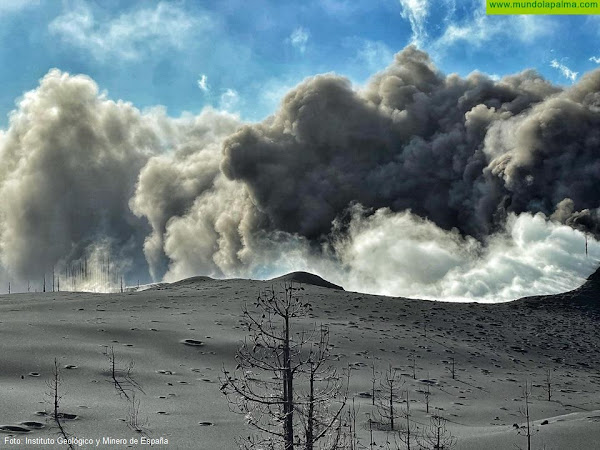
point(243, 56)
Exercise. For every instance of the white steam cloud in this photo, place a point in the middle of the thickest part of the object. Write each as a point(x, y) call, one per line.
point(403, 254)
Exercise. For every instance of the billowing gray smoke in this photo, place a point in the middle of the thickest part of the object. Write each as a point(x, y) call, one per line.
point(418, 184)
point(170, 184)
point(462, 152)
point(70, 161)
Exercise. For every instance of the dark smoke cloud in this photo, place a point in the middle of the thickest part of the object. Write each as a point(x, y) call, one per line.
point(417, 184)
point(549, 157)
point(412, 139)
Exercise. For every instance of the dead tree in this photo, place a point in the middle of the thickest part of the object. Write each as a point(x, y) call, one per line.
point(436, 436)
point(273, 364)
point(352, 441)
point(314, 407)
point(390, 385)
point(55, 398)
point(126, 387)
point(134, 421)
point(527, 428)
point(452, 368)
point(427, 395)
point(371, 440)
point(407, 431)
point(373, 382)
point(122, 379)
point(547, 386)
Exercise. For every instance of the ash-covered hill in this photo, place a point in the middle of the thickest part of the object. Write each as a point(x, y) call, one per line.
point(307, 278)
point(191, 281)
point(296, 277)
point(586, 297)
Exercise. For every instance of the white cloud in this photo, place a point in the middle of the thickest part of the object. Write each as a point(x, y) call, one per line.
point(564, 70)
point(339, 7)
point(11, 6)
point(203, 83)
point(595, 59)
point(128, 36)
point(299, 38)
point(375, 54)
point(229, 100)
point(480, 29)
point(416, 11)
point(274, 90)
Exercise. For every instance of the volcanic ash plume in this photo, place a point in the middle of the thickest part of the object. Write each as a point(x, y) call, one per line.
point(417, 184)
point(461, 152)
point(71, 162)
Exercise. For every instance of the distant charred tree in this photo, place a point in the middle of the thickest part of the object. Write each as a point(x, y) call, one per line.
point(122, 378)
point(373, 383)
point(387, 409)
point(407, 431)
point(436, 436)
point(352, 440)
point(315, 403)
point(547, 386)
point(283, 384)
point(427, 395)
point(371, 439)
point(452, 367)
point(526, 429)
point(126, 387)
point(54, 399)
point(134, 420)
